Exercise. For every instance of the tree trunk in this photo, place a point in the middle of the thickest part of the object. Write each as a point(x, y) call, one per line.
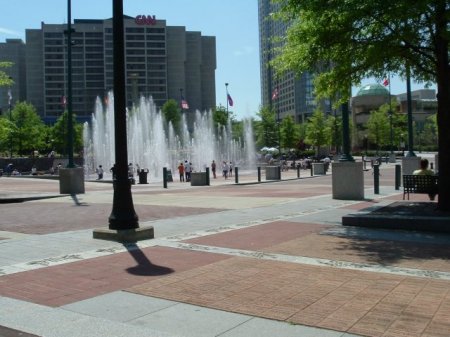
point(443, 115)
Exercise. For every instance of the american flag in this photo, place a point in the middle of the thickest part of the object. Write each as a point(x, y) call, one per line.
point(386, 82)
point(63, 101)
point(184, 103)
point(230, 100)
point(9, 96)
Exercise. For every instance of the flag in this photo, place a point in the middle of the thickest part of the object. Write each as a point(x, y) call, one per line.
point(275, 94)
point(230, 100)
point(386, 82)
point(184, 103)
point(63, 101)
point(9, 96)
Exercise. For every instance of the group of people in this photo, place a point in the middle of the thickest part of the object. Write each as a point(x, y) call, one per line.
point(185, 171)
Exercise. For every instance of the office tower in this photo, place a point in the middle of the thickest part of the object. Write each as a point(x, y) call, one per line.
point(160, 60)
point(293, 95)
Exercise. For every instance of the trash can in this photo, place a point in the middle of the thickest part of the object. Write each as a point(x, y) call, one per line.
point(169, 177)
point(143, 176)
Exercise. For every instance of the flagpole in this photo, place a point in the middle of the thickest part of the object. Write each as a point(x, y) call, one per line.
point(226, 89)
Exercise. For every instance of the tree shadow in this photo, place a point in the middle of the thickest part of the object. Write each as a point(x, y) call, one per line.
point(397, 250)
point(144, 266)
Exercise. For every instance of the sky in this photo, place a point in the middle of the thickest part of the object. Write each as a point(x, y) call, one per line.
point(234, 23)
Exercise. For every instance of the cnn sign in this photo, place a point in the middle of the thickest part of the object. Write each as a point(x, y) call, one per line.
point(147, 20)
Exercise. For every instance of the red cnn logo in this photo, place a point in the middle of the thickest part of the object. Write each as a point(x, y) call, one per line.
point(145, 20)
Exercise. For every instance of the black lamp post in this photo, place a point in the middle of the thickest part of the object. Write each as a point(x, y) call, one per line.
point(69, 87)
point(10, 120)
point(346, 156)
point(123, 215)
point(410, 119)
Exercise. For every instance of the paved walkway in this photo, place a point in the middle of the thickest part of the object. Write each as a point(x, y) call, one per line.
point(227, 260)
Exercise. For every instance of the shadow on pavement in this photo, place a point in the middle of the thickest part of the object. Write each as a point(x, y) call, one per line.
point(144, 266)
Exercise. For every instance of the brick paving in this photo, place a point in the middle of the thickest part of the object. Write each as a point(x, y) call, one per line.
point(354, 301)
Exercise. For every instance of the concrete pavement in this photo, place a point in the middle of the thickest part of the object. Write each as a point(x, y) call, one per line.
point(250, 260)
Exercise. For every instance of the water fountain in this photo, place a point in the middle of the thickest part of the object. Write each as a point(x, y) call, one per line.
point(154, 144)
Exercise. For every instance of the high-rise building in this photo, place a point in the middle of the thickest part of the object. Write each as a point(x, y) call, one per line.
point(289, 95)
point(162, 61)
point(13, 50)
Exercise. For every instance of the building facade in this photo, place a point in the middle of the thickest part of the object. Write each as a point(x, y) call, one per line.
point(13, 50)
point(162, 61)
point(289, 95)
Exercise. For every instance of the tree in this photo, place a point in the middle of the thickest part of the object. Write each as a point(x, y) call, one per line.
point(354, 39)
point(430, 134)
point(172, 113)
point(28, 129)
point(220, 116)
point(5, 79)
point(266, 128)
point(6, 128)
point(378, 128)
point(316, 130)
point(289, 133)
point(58, 134)
point(333, 131)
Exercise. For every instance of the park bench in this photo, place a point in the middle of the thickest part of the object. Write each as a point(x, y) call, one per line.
point(419, 184)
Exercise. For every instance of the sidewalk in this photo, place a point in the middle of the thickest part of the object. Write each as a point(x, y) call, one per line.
point(227, 260)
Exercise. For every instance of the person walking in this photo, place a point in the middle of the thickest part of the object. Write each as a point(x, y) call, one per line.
point(230, 169)
point(213, 169)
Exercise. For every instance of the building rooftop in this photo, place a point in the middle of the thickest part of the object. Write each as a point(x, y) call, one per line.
point(373, 90)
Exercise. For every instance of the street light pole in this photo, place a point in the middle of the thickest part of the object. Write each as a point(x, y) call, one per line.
point(123, 215)
point(69, 86)
point(10, 120)
point(410, 119)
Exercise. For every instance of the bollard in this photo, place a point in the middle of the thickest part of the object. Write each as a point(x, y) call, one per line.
point(298, 171)
point(208, 181)
point(376, 178)
point(398, 176)
point(165, 177)
point(236, 175)
point(312, 173)
point(279, 172)
point(259, 174)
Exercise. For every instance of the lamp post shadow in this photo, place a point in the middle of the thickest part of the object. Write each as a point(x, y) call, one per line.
point(144, 266)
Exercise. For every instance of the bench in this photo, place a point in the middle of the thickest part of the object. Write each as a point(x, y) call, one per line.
point(420, 184)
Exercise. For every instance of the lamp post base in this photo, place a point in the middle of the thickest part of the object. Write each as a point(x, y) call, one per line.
point(124, 235)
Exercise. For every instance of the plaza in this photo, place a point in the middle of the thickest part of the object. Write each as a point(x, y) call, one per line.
point(247, 259)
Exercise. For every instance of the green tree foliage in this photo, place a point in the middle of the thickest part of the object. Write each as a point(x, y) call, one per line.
point(6, 128)
point(5, 79)
point(172, 113)
point(58, 134)
point(334, 131)
point(347, 41)
point(28, 130)
point(220, 116)
point(316, 134)
point(289, 133)
point(378, 128)
point(266, 128)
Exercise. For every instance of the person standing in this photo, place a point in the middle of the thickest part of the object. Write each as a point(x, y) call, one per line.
point(213, 169)
point(225, 169)
point(99, 172)
point(181, 172)
point(187, 170)
point(231, 169)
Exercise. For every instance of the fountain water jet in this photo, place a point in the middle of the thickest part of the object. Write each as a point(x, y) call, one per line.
point(154, 144)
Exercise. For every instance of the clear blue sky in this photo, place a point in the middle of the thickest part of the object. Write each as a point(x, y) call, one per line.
point(234, 23)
